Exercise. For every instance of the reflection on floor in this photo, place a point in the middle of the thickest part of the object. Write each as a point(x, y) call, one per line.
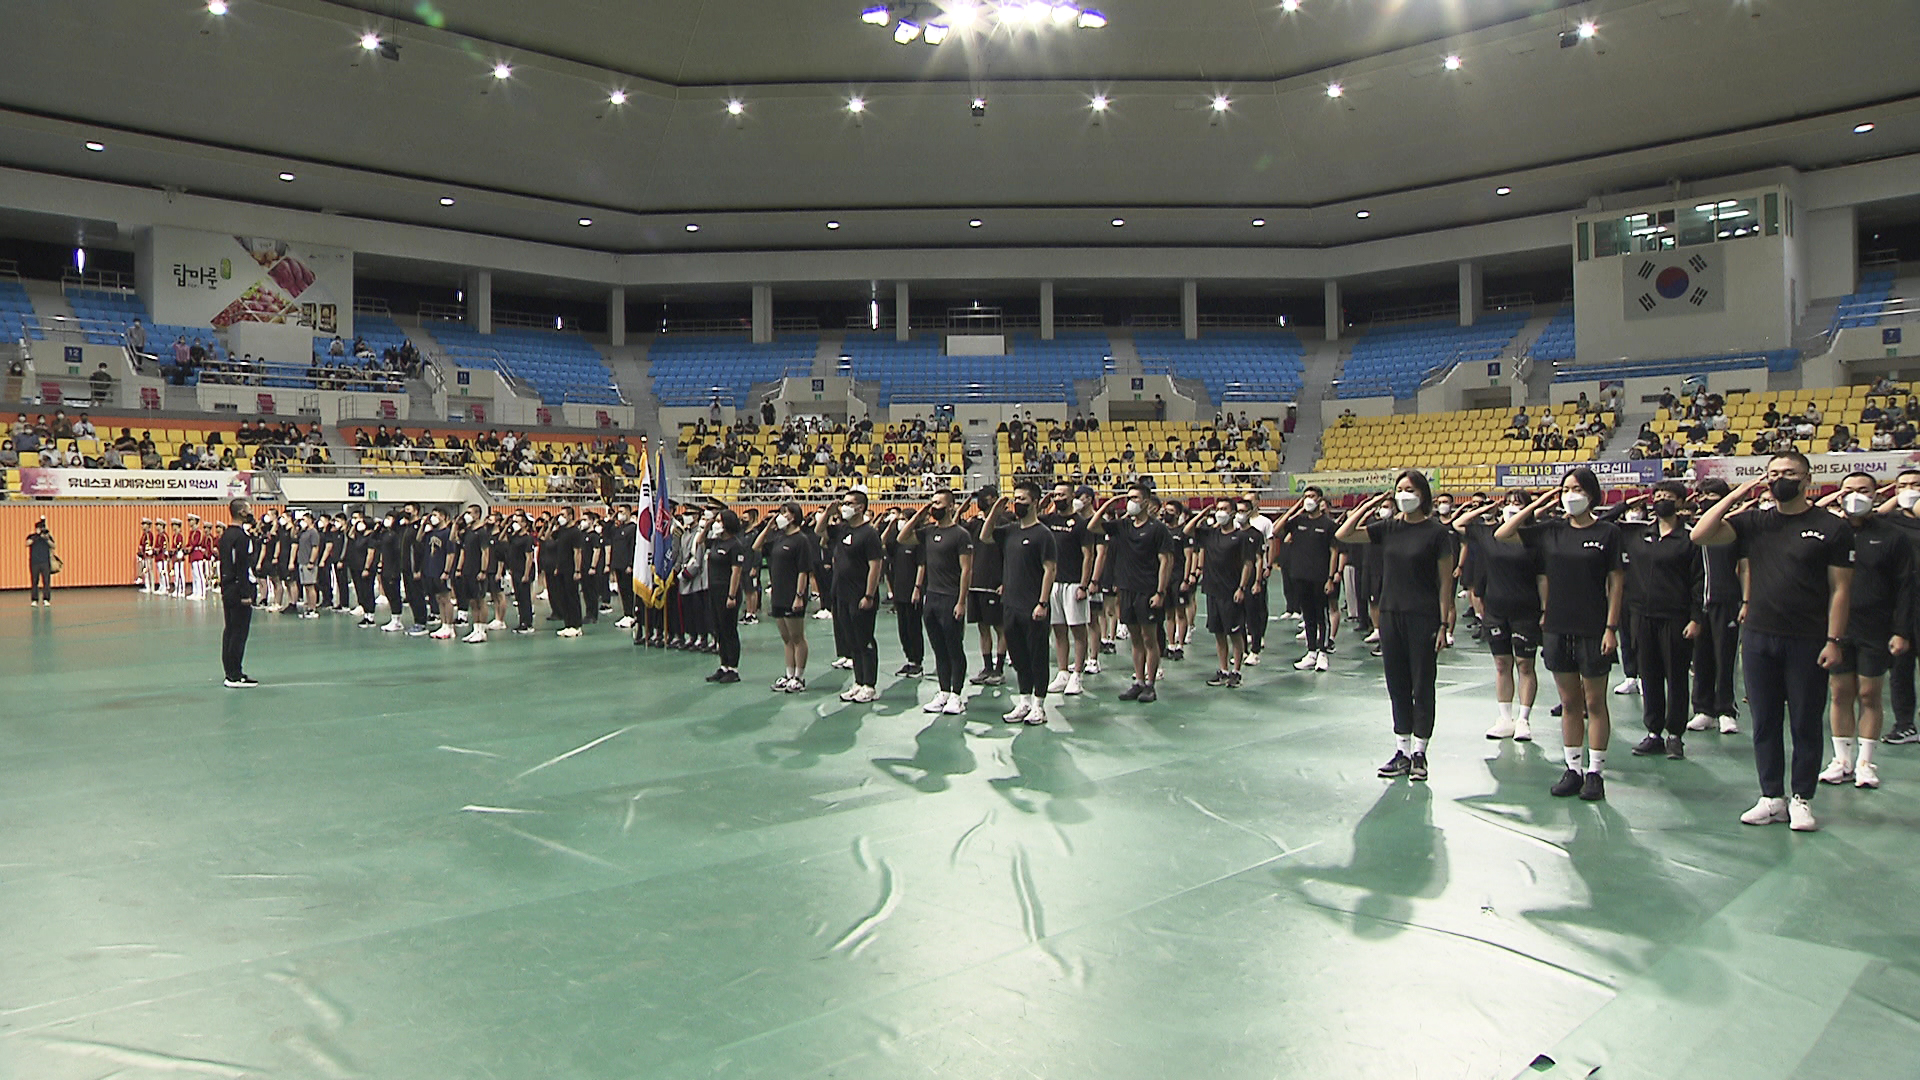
point(557, 859)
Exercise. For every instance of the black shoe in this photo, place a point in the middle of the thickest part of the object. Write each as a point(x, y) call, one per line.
point(728, 677)
point(1233, 680)
point(995, 677)
point(1375, 651)
point(1397, 765)
point(1567, 786)
point(1147, 696)
point(1220, 678)
point(1417, 766)
point(1593, 788)
point(1132, 693)
point(1649, 746)
point(1109, 648)
point(1176, 654)
point(1904, 735)
point(523, 629)
point(243, 682)
point(910, 670)
point(715, 677)
point(981, 679)
point(1676, 749)
point(1556, 710)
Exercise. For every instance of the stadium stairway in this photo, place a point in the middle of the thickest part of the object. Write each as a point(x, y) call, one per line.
point(826, 359)
point(1322, 367)
point(1126, 358)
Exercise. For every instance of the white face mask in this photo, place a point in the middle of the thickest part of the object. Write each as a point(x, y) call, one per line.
point(1634, 516)
point(1509, 512)
point(1575, 503)
point(717, 531)
point(1856, 504)
point(1406, 501)
point(1079, 505)
point(1383, 513)
point(848, 513)
point(1241, 519)
point(1908, 498)
point(1310, 506)
point(782, 522)
point(468, 518)
point(1443, 509)
point(1133, 507)
point(1221, 517)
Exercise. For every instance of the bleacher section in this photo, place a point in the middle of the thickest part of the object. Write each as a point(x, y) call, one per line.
point(688, 370)
point(1032, 371)
point(498, 472)
point(1257, 366)
point(798, 470)
point(1863, 307)
point(17, 320)
point(1397, 359)
point(561, 367)
point(1464, 446)
point(104, 316)
point(167, 443)
point(378, 331)
point(1555, 343)
point(1103, 450)
point(1776, 360)
point(1745, 413)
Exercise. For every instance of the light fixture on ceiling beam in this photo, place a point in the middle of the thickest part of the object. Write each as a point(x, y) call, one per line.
point(906, 31)
point(1452, 62)
point(287, 178)
point(1118, 222)
point(1091, 20)
point(584, 222)
point(1335, 90)
point(856, 105)
point(618, 97)
point(833, 226)
point(978, 109)
point(96, 147)
point(1584, 31)
point(935, 33)
point(1363, 214)
point(878, 15)
point(1065, 14)
point(974, 223)
point(691, 227)
point(369, 41)
point(216, 7)
point(1863, 127)
point(1503, 191)
point(1259, 223)
point(503, 70)
point(446, 200)
point(736, 107)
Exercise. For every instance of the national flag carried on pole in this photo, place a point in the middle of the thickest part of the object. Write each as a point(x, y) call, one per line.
point(662, 548)
point(645, 583)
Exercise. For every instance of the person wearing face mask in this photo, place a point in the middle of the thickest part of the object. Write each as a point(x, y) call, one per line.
point(1030, 565)
point(363, 562)
point(237, 593)
point(1799, 588)
point(324, 562)
point(1069, 608)
point(522, 566)
point(493, 581)
point(984, 608)
point(1416, 609)
point(1718, 644)
point(473, 571)
point(1903, 512)
point(726, 570)
point(1306, 539)
point(1666, 578)
point(1881, 611)
point(1585, 584)
point(563, 577)
point(393, 547)
point(415, 527)
point(857, 563)
point(593, 568)
point(789, 552)
point(1510, 602)
point(902, 568)
point(306, 554)
point(1368, 577)
point(944, 570)
point(623, 541)
point(1247, 514)
point(265, 541)
point(1228, 554)
point(1177, 632)
point(1146, 561)
point(437, 550)
point(696, 610)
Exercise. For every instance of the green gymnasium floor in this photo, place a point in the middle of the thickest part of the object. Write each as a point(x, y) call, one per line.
point(548, 860)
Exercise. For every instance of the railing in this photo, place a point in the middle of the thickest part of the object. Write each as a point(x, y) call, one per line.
point(1880, 257)
point(1155, 322)
point(444, 312)
point(10, 268)
point(96, 279)
point(371, 305)
point(1259, 392)
point(706, 326)
point(529, 320)
point(1414, 314)
point(886, 322)
point(796, 324)
point(323, 376)
point(1241, 322)
point(1506, 301)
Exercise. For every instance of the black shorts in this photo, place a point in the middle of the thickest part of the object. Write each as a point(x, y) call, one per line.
point(1224, 615)
point(1570, 654)
point(794, 608)
point(1182, 597)
point(467, 585)
point(1867, 659)
point(1136, 609)
point(985, 608)
point(1513, 637)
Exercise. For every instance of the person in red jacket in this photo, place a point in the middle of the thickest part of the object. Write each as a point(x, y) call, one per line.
point(145, 556)
point(198, 551)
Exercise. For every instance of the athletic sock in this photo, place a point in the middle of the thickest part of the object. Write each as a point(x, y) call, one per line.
point(1576, 757)
point(1526, 714)
point(1419, 745)
point(1843, 750)
point(1866, 751)
point(1403, 742)
point(1506, 711)
point(1596, 760)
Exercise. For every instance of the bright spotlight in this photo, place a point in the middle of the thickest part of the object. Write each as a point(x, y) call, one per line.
point(906, 31)
point(1221, 103)
point(80, 259)
point(1091, 20)
point(962, 16)
point(1016, 13)
point(1586, 29)
point(877, 15)
point(216, 7)
point(585, 221)
point(833, 225)
point(286, 178)
point(735, 106)
point(1335, 90)
point(446, 200)
point(980, 103)
point(370, 41)
point(97, 147)
point(1452, 62)
point(691, 227)
point(1503, 191)
point(856, 105)
point(1862, 129)
point(1363, 214)
point(1119, 221)
point(975, 223)
point(1289, 6)
point(1065, 14)
point(1259, 223)
point(936, 33)
point(618, 97)
point(1099, 103)
point(503, 70)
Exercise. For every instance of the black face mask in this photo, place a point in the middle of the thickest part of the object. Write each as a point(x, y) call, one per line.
point(1665, 508)
point(1785, 489)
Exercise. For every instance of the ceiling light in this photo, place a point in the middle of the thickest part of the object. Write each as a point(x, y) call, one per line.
point(961, 16)
point(1363, 214)
point(1289, 6)
point(1586, 29)
point(286, 178)
point(1451, 63)
point(1335, 90)
point(369, 41)
point(216, 7)
point(1259, 223)
point(503, 70)
point(857, 105)
point(877, 16)
point(1119, 221)
point(1065, 14)
point(833, 225)
point(936, 33)
point(1503, 190)
point(1091, 20)
point(1221, 103)
point(975, 223)
point(735, 106)
point(585, 221)
point(446, 200)
point(691, 227)
point(1863, 128)
point(618, 97)
point(906, 31)
point(1016, 12)
point(980, 103)
point(1099, 103)
point(96, 147)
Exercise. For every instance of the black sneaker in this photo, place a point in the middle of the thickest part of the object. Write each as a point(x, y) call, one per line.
point(1109, 647)
point(1397, 765)
point(1176, 654)
point(1904, 735)
point(910, 670)
point(981, 679)
point(1649, 746)
point(715, 677)
point(728, 677)
point(1593, 788)
point(1132, 693)
point(1676, 749)
point(1233, 680)
point(1147, 696)
point(1567, 786)
point(995, 677)
point(1556, 710)
point(1220, 678)
point(241, 682)
point(1375, 651)
point(523, 630)
point(1417, 766)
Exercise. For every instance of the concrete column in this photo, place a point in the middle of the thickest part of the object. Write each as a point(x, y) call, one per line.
point(1335, 314)
point(617, 316)
point(762, 314)
point(479, 289)
point(1046, 311)
point(902, 324)
point(1190, 309)
point(1473, 293)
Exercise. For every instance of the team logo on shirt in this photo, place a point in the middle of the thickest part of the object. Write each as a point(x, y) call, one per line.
point(1812, 534)
point(1596, 545)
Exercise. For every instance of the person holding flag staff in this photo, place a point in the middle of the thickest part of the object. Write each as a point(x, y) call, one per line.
point(789, 553)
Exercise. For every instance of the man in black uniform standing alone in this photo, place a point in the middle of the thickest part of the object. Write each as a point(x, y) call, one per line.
point(236, 592)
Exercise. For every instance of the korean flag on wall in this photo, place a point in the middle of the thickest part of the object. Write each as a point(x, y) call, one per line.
point(1674, 283)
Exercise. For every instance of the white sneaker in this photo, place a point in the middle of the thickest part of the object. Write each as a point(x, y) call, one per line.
point(1501, 729)
point(1372, 638)
point(1091, 667)
point(478, 637)
point(1866, 775)
point(1800, 815)
point(1522, 730)
point(358, 612)
point(1836, 772)
point(865, 694)
point(1073, 684)
point(849, 692)
point(938, 703)
point(1018, 714)
point(1059, 683)
point(496, 625)
point(1700, 722)
point(823, 613)
point(1120, 633)
point(1729, 726)
point(568, 632)
point(1301, 636)
point(624, 622)
point(955, 705)
point(1766, 812)
point(445, 633)
point(1628, 686)
point(841, 663)
point(1319, 661)
point(1252, 659)
point(394, 627)
point(1307, 662)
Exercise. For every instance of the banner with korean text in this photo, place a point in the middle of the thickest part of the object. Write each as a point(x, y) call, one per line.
point(1828, 469)
point(208, 486)
point(1547, 475)
point(218, 280)
point(1355, 481)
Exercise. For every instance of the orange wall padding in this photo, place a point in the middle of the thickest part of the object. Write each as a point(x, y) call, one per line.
point(97, 541)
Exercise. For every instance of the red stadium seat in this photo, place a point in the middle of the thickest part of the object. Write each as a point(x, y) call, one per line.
point(263, 404)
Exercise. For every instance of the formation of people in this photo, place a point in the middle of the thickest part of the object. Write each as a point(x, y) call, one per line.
point(1674, 585)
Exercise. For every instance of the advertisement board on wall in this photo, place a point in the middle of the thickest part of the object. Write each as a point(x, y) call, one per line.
point(208, 486)
point(218, 280)
point(1355, 481)
point(1828, 469)
point(1546, 475)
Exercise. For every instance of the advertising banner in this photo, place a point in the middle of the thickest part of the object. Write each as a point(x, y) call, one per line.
point(141, 484)
point(1828, 469)
point(1355, 481)
point(1609, 473)
point(218, 280)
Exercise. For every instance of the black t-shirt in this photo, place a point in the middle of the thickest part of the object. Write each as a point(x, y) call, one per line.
point(622, 541)
point(1576, 563)
point(393, 551)
point(1024, 552)
point(941, 547)
point(1882, 603)
point(853, 551)
point(986, 560)
point(1509, 575)
point(1310, 552)
point(1227, 552)
point(1069, 544)
point(789, 555)
point(39, 549)
point(903, 566)
point(1410, 555)
point(722, 556)
point(519, 546)
point(474, 544)
point(560, 548)
point(435, 546)
point(1665, 574)
point(1134, 553)
point(1788, 556)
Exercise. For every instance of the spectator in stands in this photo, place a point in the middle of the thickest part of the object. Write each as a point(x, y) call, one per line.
point(1772, 416)
point(1903, 435)
point(9, 457)
point(110, 458)
point(1884, 386)
point(337, 349)
point(137, 344)
point(1870, 414)
point(1728, 446)
point(83, 429)
point(1667, 400)
point(1882, 439)
point(1159, 407)
point(149, 457)
point(1913, 409)
point(100, 383)
point(62, 427)
point(1582, 406)
point(126, 441)
point(1762, 443)
point(1840, 439)
point(1812, 415)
